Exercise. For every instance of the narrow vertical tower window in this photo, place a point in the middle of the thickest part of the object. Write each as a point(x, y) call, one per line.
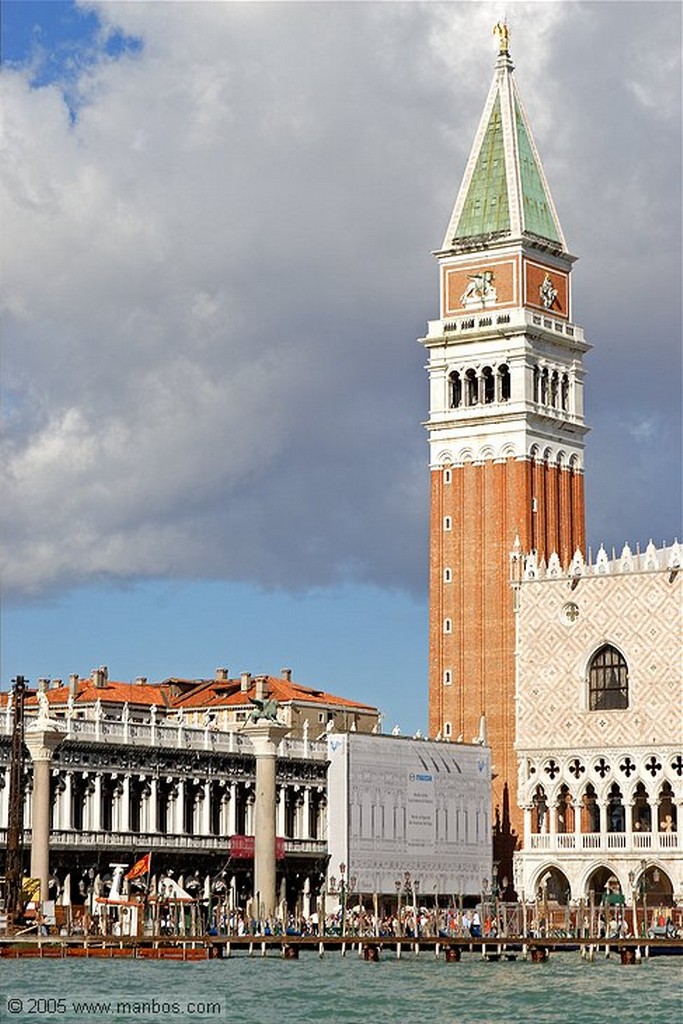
point(505, 363)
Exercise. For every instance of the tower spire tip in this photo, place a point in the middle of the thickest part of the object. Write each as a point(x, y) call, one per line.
point(501, 30)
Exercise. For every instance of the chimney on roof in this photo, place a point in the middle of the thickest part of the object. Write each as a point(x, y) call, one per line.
point(55, 684)
point(73, 684)
point(222, 675)
point(141, 680)
point(99, 676)
point(43, 684)
point(286, 673)
point(261, 687)
point(245, 681)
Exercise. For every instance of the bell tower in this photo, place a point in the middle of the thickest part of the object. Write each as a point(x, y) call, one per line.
point(506, 427)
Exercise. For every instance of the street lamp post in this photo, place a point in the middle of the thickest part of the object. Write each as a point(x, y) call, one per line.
point(484, 901)
point(495, 892)
point(343, 889)
point(399, 887)
point(415, 887)
point(342, 896)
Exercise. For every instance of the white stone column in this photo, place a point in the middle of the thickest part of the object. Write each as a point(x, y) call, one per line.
point(67, 801)
point(57, 807)
point(223, 812)
point(96, 798)
point(577, 824)
point(86, 813)
point(179, 815)
point(528, 810)
point(231, 828)
point(265, 736)
point(281, 810)
point(628, 825)
point(125, 805)
point(205, 829)
point(306, 818)
point(248, 813)
point(306, 898)
point(298, 830)
point(153, 805)
point(42, 739)
point(604, 811)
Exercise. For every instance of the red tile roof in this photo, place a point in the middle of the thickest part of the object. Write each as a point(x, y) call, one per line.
point(195, 694)
point(110, 693)
point(214, 693)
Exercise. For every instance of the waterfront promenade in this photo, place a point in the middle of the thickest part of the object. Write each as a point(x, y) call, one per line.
point(449, 949)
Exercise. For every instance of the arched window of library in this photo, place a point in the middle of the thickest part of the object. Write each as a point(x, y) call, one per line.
point(608, 680)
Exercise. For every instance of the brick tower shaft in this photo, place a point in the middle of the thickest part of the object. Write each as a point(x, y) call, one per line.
point(506, 427)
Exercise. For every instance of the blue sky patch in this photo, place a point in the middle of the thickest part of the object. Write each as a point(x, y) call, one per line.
point(58, 41)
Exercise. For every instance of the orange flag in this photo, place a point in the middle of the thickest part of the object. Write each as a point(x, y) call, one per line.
point(141, 867)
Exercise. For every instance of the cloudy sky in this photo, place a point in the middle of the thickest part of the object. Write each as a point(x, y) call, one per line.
point(217, 224)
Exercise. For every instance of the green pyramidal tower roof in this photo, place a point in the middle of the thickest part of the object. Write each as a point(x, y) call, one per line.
point(504, 193)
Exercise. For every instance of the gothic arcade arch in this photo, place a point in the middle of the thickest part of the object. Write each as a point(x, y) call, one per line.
point(551, 883)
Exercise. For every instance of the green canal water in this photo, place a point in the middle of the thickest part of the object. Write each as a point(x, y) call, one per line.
point(349, 990)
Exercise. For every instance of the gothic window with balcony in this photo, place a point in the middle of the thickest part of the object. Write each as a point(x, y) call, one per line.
point(607, 680)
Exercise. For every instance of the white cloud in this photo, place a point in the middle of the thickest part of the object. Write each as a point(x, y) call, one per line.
point(216, 275)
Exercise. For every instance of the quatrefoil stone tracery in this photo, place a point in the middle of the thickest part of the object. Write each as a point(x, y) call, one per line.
point(602, 767)
point(627, 767)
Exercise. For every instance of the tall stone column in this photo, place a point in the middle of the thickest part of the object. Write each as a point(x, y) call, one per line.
point(265, 734)
point(42, 738)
